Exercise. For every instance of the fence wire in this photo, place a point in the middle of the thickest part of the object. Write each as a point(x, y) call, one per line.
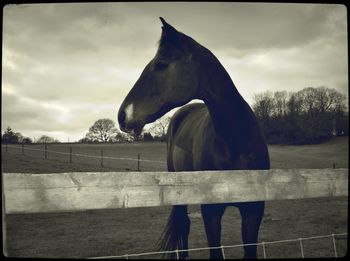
point(86, 155)
point(96, 157)
point(263, 244)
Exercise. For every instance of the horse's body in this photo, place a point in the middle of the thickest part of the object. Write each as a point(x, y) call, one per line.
point(222, 134)
point(193, 144)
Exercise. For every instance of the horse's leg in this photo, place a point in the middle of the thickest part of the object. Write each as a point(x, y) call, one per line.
point(185, 227)
point(212, 215)
point(252, 214)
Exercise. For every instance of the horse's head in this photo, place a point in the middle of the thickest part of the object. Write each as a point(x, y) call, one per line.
point(169, 80)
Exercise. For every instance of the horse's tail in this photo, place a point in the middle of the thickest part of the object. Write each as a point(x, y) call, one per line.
point(175, 233)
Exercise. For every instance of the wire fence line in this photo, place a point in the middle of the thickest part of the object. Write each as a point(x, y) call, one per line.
point(89, 156)
point(263, 244)
point(120, 161)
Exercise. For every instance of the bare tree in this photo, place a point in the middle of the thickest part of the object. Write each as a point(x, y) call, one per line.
point(103, 130)
point(320, 100)
point(10, 136)
point(263, 105)
point(335, 101)
point(294, 106)
point(160, 127)
point(47, 139)
point(308, 98)
point(280, 103)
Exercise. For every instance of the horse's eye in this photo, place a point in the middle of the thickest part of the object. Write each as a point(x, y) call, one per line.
point(161, 65)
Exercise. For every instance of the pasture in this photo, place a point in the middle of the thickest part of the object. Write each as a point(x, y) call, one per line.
point(115, 232)
point(86, 157)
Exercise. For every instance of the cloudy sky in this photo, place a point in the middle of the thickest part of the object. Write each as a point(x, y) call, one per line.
point(67, 65)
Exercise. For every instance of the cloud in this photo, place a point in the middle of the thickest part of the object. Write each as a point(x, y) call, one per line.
point(249, 25)
point(69, 31)
point(66, 65)
point(49, 118)
point(292, 69)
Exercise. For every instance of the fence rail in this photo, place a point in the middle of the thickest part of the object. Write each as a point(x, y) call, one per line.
point(28, 193)
point(35, 193)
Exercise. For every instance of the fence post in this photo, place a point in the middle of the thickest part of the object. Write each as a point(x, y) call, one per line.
point(45, 151)
point(223, 252)
point(22, 149)
point(264, 250)
point(138, 161)
point(301, 248)
point(4, 234)
point(102, 158)
point(334, 246)
point(70, 155)
point(177, 254)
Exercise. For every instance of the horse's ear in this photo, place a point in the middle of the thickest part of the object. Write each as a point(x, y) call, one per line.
point(169, 36)
point(163, 21)
point(167, 28)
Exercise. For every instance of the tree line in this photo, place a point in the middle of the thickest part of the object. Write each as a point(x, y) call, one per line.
point(103, 130)
point(11, 137)
point(309, 116)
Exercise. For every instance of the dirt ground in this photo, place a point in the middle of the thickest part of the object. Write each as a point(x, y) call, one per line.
point(124, 231)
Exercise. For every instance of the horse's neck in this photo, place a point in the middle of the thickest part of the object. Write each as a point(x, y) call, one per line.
point(232, 117)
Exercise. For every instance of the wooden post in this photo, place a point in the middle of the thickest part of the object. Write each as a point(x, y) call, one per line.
point(138, 161)
point(22, 149)
point(4, 233)
point(70, 155)
point(45, 151)
point(101, 158)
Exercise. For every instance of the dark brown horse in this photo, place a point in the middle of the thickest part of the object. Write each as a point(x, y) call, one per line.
point(222, 134)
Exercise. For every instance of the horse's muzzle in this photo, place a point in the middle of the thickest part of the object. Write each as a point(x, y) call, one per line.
point(131, 127)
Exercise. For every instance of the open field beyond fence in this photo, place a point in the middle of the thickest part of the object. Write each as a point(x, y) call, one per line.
point(123, 231)
point(88, 157)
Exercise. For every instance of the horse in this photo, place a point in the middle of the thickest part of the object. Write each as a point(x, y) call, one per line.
point(220, 134)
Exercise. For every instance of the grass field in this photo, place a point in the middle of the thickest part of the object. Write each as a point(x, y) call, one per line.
point(86, 157)
point(120, 231)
